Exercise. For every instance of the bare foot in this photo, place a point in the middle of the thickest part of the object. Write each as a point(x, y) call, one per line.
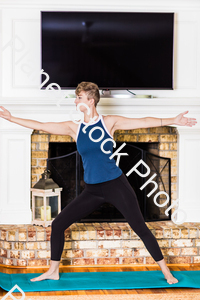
point(47, 275)
point(169, 277)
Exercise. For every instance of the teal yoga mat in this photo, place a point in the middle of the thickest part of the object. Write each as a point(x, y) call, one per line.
point(100, 281)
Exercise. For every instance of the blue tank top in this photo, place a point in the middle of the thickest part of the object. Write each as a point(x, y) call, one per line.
point(96, 164)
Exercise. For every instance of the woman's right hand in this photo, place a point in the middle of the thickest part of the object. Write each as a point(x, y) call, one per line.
point(5, 114)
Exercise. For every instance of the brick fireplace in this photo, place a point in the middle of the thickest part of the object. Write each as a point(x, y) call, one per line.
point(161, 141)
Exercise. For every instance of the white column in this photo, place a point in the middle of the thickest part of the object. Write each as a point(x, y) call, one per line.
point(189, 173)
point(15, 174)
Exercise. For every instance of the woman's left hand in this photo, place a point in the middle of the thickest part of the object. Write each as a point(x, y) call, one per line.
point(183, 121)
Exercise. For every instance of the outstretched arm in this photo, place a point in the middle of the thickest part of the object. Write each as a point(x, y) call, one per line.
point(133, 123)
point(50, 127)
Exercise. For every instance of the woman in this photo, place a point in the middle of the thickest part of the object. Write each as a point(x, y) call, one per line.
point(104, 180)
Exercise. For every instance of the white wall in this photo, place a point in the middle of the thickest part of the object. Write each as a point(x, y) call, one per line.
point(20, 52)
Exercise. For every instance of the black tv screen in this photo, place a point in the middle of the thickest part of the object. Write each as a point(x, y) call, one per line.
point(115, 50)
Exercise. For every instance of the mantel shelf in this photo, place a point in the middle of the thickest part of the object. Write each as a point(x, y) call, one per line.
point(61, 102)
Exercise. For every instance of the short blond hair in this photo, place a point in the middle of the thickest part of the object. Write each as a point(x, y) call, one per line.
point(91, 89)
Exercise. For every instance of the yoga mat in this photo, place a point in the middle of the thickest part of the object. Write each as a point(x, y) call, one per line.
point(100, 281)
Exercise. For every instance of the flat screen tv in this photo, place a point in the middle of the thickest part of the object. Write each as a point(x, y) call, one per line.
point(115, 50)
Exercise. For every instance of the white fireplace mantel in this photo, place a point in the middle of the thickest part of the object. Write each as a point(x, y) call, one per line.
point(15, 148)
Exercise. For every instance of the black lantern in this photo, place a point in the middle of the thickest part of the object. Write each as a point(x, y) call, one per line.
point(46, 200)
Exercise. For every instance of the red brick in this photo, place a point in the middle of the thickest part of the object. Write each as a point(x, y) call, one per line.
point(182, 243)
point(31, 234)
point(31, 245)
point(141, 252)
point(26, 254)
point(97, 253)
point(22, 235)
point(42, 245)
point(117, 233)
point(7, 245)
point(171, 251)
point(21, 262)
point(176, 233)
point(121, 252)
point(41, 235)
point(189, 251)
point(167, 233)
point(196, 259)
point(72, 253)
point(193, 233)
point(184, 233)
point(19, 246)
point(83, 235)
point(107, 261)
point(168, 138)
point(100, 234)
point(150, 260)
point(148, 138)
point(3, 253)
point(37, 262)
point(114, 226)
point(109, 234)
point(9, 262)
point(48, 233)
point(75, 234)
point(14, 254)
point(105, 225)
point(159, 233)
point(67, 234)
point(99, 230)
point(11, 235)
point(85, 244)
point(131, 260)
point(132, 244)
point(3, 235)
point(83, 261)
point(43, 254)
point(180, 260)
point(109, 244)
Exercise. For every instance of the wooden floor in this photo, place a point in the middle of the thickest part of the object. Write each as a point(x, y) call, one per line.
point(171, 290)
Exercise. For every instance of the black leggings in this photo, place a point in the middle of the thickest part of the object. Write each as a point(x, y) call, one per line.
point(119, 193)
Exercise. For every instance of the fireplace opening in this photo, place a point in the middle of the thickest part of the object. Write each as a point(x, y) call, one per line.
point(66, 168)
